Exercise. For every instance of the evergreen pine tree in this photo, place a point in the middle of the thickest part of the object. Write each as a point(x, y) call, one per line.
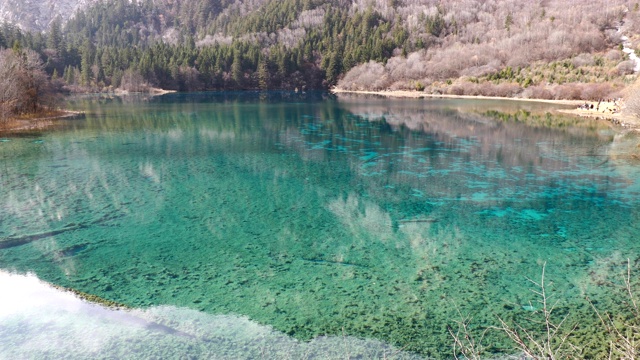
point(87, 53)
point(236, 69)
point(263, 74)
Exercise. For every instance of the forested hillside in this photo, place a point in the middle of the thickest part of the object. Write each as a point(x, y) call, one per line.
point(500, 47)
point(544, 49)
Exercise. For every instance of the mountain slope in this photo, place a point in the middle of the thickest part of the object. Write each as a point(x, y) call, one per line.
point(493, 47)
point(37, 15)
point(505, 47)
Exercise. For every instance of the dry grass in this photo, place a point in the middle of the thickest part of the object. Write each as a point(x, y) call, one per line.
point(554, 342)
point(547, 335)
point(465, 345)
point(624, 334)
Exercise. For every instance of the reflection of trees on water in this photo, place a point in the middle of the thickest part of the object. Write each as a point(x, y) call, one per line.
point(511, 152)
point(423, 202)
point(402, 154)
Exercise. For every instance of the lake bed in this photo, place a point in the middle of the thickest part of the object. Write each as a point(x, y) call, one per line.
point(308, 217)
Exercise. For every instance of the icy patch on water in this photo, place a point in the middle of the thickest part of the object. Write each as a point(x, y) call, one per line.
point(40, 321)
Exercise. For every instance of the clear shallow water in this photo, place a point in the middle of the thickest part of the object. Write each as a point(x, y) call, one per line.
point(39, 321)
point(365, 217)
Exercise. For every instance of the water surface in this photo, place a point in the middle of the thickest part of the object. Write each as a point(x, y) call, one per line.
point(373, 219)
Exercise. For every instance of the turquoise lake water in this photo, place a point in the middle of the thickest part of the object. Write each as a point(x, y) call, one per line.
point(316, 221)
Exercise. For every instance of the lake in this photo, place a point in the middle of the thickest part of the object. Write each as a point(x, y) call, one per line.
point(274, 225)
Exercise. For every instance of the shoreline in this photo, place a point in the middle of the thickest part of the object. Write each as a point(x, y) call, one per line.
point(609, 111)
point(618, 119)
point(38, 123)
point(411, 94)
point(152, 91)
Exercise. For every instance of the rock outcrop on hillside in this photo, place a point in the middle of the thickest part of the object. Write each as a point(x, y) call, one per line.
point(36, 15)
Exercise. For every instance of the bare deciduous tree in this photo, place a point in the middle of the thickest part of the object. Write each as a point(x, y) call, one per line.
point(9, 87)
point(624, 340)
point(370, 75)
point(132, 81)
point(24, 86)
point(554, 341)
point(481, 38)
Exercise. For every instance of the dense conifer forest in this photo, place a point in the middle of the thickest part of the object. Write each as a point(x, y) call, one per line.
point(548, 49)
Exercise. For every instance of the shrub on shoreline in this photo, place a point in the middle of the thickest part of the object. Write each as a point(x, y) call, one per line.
point(550, 333)
point(24, 85)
